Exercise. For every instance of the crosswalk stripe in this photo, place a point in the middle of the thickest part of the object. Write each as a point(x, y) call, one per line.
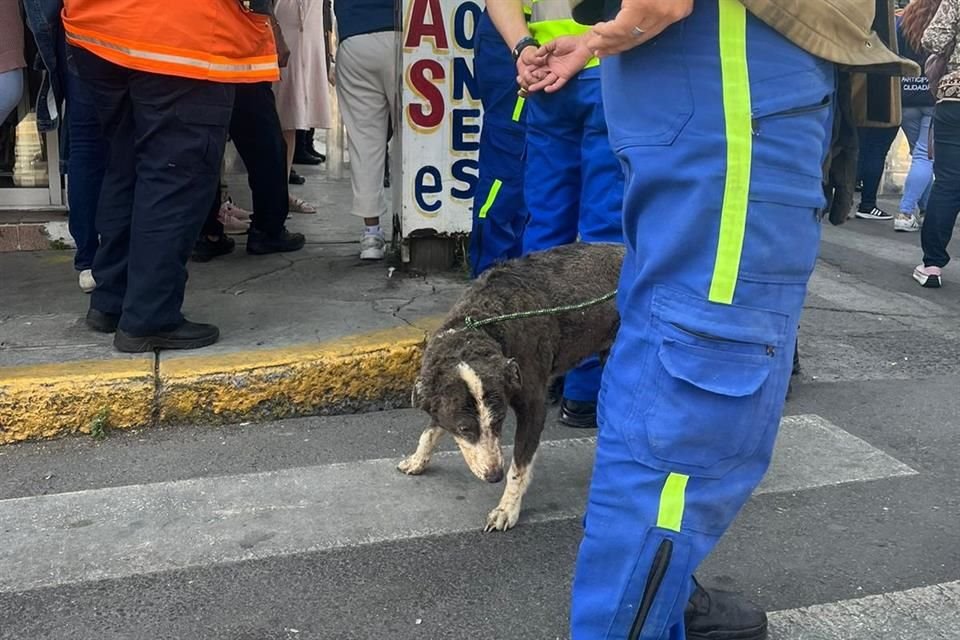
point(122, 531)
point(924, 613)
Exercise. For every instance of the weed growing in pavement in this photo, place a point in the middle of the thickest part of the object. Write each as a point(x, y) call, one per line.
point(99, 424)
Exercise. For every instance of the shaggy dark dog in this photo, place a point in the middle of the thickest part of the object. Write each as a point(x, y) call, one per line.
point(471, 375)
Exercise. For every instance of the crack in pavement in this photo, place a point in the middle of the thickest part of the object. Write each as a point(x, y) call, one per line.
point(290, 264)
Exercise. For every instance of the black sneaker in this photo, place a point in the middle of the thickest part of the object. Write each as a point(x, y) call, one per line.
point(579, 415)
point(189, 335)
point(296, 178)
point(873, 213)
point(259, 243)
point(102, 322)
point(206, 249)
point(720, 615)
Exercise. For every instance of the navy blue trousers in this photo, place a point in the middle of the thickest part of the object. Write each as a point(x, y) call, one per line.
point(499, 211)
point(166, 137)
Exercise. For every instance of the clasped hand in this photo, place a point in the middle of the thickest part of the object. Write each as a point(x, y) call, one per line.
point(551, 66)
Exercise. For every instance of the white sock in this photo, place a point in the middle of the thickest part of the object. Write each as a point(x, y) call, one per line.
point(374, 230)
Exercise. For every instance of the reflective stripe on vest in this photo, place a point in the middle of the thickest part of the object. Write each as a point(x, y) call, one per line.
point(194, 65)
point(552, 19)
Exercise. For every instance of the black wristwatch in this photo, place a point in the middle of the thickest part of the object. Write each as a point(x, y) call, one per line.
point(525, 42)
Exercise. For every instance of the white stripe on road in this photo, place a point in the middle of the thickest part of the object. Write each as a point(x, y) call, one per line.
point(122, 531)
point(925, 613)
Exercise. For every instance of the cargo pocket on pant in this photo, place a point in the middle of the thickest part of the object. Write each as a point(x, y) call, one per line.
point(203, 137)
point(709, 402)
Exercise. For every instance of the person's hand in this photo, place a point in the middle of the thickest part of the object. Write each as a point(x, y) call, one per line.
point(637, 22)
point(564, 58)
point(531, 67)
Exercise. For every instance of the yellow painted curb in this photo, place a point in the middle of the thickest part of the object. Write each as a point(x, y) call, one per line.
point(43, 401)
point(348, 374)
point(358, 372)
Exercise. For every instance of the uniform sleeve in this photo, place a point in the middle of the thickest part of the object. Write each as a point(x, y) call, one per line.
point(943, 29)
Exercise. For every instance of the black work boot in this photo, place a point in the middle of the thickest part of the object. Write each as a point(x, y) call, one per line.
point(102, 322)
point(302, 148)
point(206, 249)
point(579, 415)
point(189, 335)
point(721, 615)
point(259, 243)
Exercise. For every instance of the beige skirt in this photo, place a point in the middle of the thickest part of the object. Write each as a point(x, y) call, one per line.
point(303, 94)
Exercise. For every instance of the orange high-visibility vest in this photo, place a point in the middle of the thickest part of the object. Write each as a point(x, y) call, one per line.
point(214, 40)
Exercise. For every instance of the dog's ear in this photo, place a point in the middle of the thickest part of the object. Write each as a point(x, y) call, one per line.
point(513, 376)
point(416, 397)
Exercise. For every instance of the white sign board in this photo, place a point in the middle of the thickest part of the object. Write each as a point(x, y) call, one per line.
point(441, 116)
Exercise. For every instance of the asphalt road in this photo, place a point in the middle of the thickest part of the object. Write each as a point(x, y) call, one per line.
point(302, 529)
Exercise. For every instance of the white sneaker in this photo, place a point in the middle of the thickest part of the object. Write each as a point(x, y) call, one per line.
point(372, 246)
point(904, 222)
point(87, 283)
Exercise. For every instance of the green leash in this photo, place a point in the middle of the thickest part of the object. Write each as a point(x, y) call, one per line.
point(476, 324)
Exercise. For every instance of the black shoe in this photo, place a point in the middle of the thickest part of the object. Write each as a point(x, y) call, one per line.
point(102, 322)
point(301, 156)
point(720, 615)
point(555, 391)
point(206, 249)
point(296, 178)
point(189, 335)
point(579, 415)
point(259, 243)
point(308, 145)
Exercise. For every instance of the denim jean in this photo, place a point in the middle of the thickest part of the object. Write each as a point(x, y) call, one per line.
point(87, 152)
point(945, 195)
point(916, 190)
point(874, 145)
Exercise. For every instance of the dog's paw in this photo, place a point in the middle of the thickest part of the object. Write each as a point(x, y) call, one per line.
point(412, 466)
point(501, 519)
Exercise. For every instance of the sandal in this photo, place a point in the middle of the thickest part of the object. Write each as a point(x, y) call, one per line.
point(301, 206)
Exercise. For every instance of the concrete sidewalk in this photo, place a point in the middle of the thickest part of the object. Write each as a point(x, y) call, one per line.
point(317, 331)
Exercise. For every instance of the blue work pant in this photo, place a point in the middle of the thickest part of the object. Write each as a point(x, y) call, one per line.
point(574, 186)
point(722, 227)
point(499, 212)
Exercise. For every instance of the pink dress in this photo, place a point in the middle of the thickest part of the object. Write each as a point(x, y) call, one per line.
point(303, 95)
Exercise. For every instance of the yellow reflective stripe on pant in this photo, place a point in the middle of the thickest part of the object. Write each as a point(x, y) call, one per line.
point(739, 131)
point(491, 198)
point(518, 109)
point(672, 501)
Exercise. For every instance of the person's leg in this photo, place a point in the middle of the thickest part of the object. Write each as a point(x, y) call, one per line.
point(213, 241)
point(721, 225)
point(945, 196)
point(11, 90)
point(109, 86)
point(365, 110)
point(498, 206)
point(600, 220)
point(874, 146)
point(256, 133)
point(552, 169)
point(916, 126)
point(86, 166)
point(181, 132)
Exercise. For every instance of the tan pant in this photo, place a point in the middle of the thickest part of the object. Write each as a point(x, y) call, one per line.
point(367, 76)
